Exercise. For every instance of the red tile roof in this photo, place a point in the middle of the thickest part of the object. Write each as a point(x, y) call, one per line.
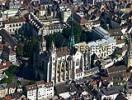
point(12, 52)
point(14, 20)
point(31, 87)
point(49, 84)
point(5, 65)
point(40, 82)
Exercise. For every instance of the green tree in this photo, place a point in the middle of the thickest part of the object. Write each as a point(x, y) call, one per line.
point(126, 40)
point(19, 50)
point(75, 29)
point(77, 32)
point(66, 32)
point(10, 72)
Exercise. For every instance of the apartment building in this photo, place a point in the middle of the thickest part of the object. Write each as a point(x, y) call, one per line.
point(31, 92)
point(51, 28)
point(40, 91)
point(102, 48)
point(15, 4)
point(45, 90)
point(49, 89)
point(13, 24)
point(3, 90)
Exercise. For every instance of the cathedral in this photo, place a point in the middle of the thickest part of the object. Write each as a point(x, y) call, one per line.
point(59, 64)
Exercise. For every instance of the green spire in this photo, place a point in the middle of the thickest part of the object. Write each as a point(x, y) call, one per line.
point(72, 39)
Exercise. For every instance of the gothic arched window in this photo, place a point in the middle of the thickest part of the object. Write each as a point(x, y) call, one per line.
point(77, 62)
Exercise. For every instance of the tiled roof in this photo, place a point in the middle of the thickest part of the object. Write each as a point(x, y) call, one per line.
point(63, 51)
point(116, 68)
point(119, 41)
point(116, 71)
point(3, 1)
point(120, 96)
point(40, 82)
point(115, 32)
point(12, 85)
point(31, 87)
point(14, 20)
point(7, 37)
point(14, 96)
point(12, 52)
point(49, 84)
point(5, 65)
point(112, 90)
point(61, 88)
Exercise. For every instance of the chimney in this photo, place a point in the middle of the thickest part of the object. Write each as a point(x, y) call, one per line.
point(108, 26)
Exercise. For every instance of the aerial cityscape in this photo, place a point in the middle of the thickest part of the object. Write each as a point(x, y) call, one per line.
point(65, 49)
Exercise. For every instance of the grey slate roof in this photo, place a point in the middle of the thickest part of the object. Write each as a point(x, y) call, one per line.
point(7, 37)
point(111, 90)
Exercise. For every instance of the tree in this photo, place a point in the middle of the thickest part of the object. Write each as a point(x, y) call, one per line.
point(58, 38)
point(83, 36)
point(126, 40)
point(77, 32)
point(10, 72)
point(66, 32)
point(19, 50)
point(76, 29)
